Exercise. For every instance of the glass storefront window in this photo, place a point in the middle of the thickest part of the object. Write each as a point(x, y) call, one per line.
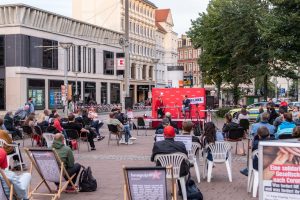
point(108, 59)
point(55, 100)
point(73, 83)
point(115, 93)
point(2, 94)
point(90, 93)
point(103, 93)
point(36, 90)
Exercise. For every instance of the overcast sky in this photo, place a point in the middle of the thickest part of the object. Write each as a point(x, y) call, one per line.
point(182, 10)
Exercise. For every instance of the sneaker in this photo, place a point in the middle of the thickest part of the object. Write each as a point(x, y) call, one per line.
point(95, 140)
point(129, 142)
point(244, 171)
point(100, 138)
point(93, 149)
point(132, 138)
point(122, 141)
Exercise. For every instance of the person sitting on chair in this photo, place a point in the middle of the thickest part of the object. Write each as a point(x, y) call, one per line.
point(286, 126)
point(228, 125)
point(123, 118)
point(159, 104)
point(185, 105)
point(21, 182)
point(160, 128)
point(264, 122)
point(75, 126)
point(174, 124)
point(187, 127)
point(112, 120)
point(66, 155)
point(9, 126)
point(168, 146)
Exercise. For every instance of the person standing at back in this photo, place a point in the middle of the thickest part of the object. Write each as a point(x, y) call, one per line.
point(31, 105)
point(243, 115)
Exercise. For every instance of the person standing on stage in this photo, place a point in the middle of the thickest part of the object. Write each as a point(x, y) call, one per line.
point(159, 108)
point(185, 105)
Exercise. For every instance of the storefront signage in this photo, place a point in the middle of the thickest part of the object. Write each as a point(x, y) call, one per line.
point(196, 100)
point(120, 63)
point(279, 170)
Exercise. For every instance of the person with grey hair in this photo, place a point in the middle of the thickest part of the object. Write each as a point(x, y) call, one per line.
point(160, 128)
point(174, 124)
point(264, 122)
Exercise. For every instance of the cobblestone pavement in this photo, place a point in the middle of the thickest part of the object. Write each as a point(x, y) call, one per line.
point(107, 162)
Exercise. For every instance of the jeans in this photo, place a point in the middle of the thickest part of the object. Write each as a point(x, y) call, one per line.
point(127, 132)
point(74, 170)
point(97, 125)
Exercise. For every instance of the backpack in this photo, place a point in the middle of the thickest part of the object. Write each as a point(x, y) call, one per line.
point(192, 191)
point(87, 183)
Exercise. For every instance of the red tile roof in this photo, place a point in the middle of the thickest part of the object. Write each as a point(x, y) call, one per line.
point(161, 15)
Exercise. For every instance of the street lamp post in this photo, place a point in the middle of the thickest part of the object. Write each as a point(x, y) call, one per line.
point(66, 46)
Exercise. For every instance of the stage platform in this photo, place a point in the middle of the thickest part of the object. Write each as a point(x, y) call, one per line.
point(153, 123)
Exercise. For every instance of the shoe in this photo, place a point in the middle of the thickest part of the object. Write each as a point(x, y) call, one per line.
point(70, 189)
point(132, 138)
point(95, 139)
point(129, 142)
point(122, 141)
point(244, 171)
point(100, 138)
point(93, 149)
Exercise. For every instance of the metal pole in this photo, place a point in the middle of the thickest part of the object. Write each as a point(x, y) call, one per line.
point(66, 80)
point(127, 61)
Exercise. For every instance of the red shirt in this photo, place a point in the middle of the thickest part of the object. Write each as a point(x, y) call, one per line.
point(57, 125)
point(158, 104)
point(283, 103)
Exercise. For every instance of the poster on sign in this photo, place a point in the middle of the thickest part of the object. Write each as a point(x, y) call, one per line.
point(185, 139)
point(120, 64)
point(145, 183)
point(279, 171)
point(173, 100)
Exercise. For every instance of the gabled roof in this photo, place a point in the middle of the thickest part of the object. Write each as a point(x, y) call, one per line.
point(160, 28)
point(161, 15)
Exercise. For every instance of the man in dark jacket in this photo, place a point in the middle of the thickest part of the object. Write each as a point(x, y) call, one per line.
point(169, 146)
point(9, 125)
point(75, 126)
point(66, 155)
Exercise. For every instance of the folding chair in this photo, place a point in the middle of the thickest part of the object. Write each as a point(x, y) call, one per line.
point(50, 169)
point(3, 143)
point(9, 185)
point(141, 125)
point(113, 130)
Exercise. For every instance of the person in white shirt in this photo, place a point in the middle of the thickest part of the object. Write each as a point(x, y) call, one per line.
point(243, 115)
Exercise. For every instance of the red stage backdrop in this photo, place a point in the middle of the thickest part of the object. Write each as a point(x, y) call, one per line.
point(173, 98)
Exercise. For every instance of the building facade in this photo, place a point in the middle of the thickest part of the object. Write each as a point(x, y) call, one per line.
point(32, 61)
point(166, 46)
point(188, 58)
point(111, 14)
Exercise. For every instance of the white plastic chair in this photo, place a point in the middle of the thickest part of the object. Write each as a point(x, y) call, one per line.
point(253, 178)
point(193, 159)
point(3, 143)
point(174, 159)
point(49, 137)
point(221, 153)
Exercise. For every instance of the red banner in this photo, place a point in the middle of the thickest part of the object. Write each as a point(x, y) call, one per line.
point(173, 98)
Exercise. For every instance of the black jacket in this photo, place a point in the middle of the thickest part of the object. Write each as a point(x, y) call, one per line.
point(9, 123)
point(169, 146)
point(229, 126)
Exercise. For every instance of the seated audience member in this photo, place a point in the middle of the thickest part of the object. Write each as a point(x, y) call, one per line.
point(286, 126)
point(273, 115)
point(160, 128)
point(168, 146)
point(56, 123)
point(264, 122)
point(43, 118)
point(228, 125)
point(66, 155)
point(296, 132)
point(243, 115)
point(9, 149)
point(295, 113)
point(112, 120)
point(21, 113)
point(71, 124)
point(174, 124)
point(95, 122)
point(263, 134)
point(30, 121)
point(297, 121)
point(187, 127)
point(9, 126)
point(20, 183)
point(278, 119)
point(2, 127)
point(258, 118)
point(124, 120)
point(210, 137)
point(51, 116)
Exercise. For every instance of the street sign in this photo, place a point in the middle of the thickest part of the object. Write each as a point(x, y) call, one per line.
point(120, 63)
